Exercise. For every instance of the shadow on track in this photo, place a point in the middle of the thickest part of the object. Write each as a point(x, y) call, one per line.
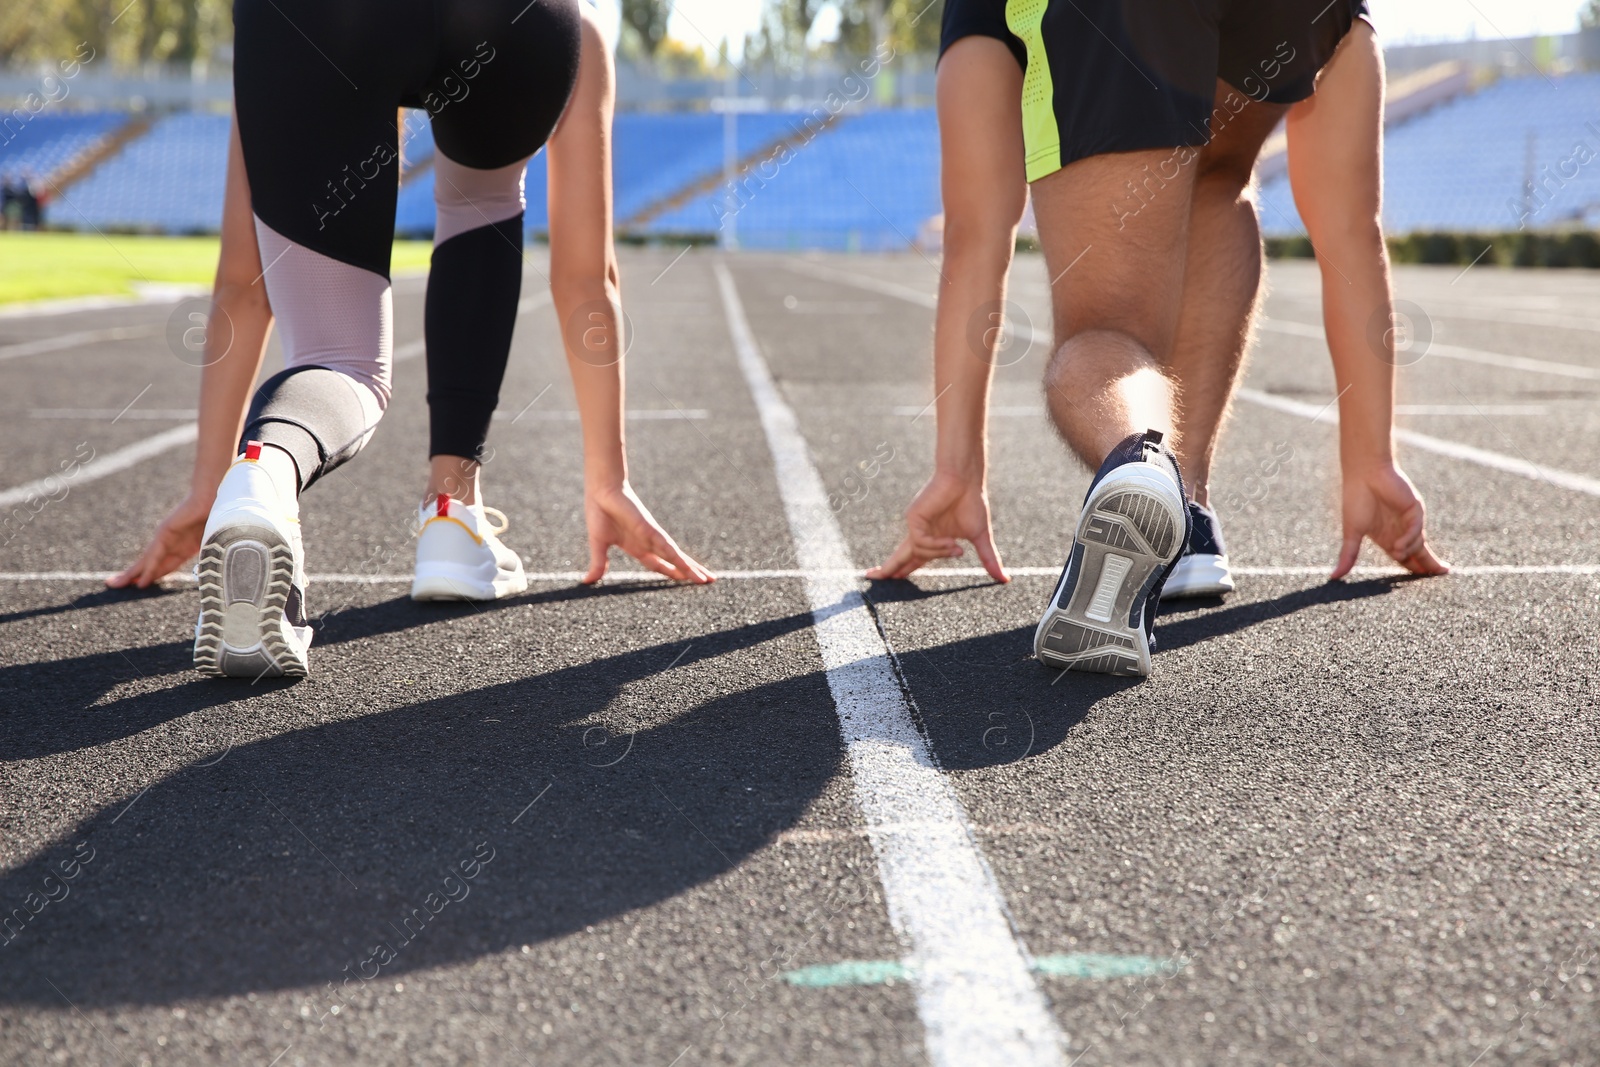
point(1190, 622)
point(293, 857)
point(59, 706)
point(986, 701)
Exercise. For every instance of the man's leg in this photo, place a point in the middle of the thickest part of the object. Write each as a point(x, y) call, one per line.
point(1222, 281)
point(1114, 231)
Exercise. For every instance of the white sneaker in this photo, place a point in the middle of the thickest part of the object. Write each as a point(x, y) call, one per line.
point(1203, 569)
point(252, 579)
point(1133, 526)
point(460, 556)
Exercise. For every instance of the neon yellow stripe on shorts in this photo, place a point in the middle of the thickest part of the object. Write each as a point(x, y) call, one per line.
point(1041, 138)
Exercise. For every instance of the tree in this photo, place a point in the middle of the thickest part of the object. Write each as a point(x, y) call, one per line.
point(647, 19)
point(1589, 15)
point(119, 31)
point(907, 25)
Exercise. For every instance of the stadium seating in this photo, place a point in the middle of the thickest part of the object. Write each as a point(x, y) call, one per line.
point(1465, 165)
point(653, 156)
point(870, 181)
point(865, 184)
point(42, 144)
point(170, 180)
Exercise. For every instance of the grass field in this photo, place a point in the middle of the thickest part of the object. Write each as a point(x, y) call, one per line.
point(45, 266)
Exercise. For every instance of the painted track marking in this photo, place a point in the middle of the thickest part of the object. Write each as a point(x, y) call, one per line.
point(1488, 570)
point(74, 340)
point(1581, 483)
point(1578, 483)
point(976, 993)
point(101, 466)
point(1465, 355)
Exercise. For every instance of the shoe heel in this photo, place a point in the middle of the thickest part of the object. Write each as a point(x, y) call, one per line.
point(245, 574)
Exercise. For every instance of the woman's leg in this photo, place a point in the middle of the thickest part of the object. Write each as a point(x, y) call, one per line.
point(473, 290)
point(504, 84)
point(322, 158)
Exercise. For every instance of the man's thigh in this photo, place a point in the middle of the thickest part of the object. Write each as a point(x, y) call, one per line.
point(1114, 229)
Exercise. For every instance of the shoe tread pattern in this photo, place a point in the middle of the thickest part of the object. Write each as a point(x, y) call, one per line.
point(275, 657)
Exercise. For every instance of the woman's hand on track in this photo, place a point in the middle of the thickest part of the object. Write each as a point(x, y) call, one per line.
point(175, 542)
point(616, 516)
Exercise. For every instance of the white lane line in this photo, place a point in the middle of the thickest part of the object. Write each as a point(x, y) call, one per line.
point(1580, 483)
point(74, 340)
point(976, 996)
point(101, 466)
point(1488, 570)
point(151, 294)
point(1516, 317)
point(862, 281)
point(1466, 355)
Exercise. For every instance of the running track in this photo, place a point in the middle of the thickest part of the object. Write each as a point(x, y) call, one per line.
point(795, 817)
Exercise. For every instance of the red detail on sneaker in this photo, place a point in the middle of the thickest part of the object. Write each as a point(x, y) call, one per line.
point(443, 507)
point(252, 450)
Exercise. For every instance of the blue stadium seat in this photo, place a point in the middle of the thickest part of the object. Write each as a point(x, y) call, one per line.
point(170, 180)
point(1466, 165)
point(653, 156)
point(866, 184)
point(42, 144)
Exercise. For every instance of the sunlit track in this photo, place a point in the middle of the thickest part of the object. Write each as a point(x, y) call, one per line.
point(797, 815)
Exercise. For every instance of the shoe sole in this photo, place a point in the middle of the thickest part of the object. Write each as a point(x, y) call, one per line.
point(1199, 575)
point(443, 587)
point(1129, 530)
point(245, 575)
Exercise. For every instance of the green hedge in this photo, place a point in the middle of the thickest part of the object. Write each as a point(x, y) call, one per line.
point(1577, 248)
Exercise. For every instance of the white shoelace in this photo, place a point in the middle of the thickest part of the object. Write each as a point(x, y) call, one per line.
point(495, 515)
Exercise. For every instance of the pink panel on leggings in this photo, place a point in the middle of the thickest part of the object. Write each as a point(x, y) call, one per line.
point(466, 198)
point(330, 314)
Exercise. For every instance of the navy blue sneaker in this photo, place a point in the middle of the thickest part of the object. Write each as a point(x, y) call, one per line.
point(1203, 568)
point(1133, 526)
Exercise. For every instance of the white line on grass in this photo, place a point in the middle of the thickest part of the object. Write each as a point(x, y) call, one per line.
point(101, 466)
point(1580, 483)
point(977, 998)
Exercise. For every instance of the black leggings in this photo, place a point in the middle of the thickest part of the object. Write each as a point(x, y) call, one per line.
point(316, 86)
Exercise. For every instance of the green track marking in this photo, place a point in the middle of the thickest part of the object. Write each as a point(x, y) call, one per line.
point(850, 972)
point(1088, 965)
point(1100, 965)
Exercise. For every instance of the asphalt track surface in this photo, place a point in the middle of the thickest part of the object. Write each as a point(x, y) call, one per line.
point(1351, 823)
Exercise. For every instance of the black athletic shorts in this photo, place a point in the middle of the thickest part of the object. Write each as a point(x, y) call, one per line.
point(1123, 75)
point(979, 18)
